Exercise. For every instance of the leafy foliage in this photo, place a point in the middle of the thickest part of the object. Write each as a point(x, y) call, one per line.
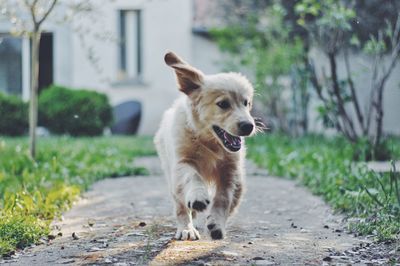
point(13, 115)
point(332, 30)
point(32, 193)
point(18, 231)
point(326, 167)
point(368, 21)
point(74, 112)
point(369, 17)
point(261, 44)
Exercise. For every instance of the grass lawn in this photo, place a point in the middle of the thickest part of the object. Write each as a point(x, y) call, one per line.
point(325, 166)
point(32, 193)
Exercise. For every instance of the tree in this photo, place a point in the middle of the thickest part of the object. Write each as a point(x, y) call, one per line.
point(332, 31)
point(27, 18)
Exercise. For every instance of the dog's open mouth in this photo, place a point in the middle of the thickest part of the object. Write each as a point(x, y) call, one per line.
point(232, 143)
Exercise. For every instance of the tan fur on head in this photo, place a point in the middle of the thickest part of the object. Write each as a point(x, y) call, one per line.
point(231, 87)
point(200, 143)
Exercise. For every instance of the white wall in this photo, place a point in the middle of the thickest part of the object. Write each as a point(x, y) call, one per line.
point(166, 25)
point(206, 55)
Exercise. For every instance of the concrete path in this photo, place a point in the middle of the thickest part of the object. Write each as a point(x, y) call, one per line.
point(128, 221)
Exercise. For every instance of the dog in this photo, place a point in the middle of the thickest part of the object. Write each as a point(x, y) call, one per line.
point(200, 143)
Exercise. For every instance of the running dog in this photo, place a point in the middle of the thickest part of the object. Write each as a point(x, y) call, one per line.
point(201, 144)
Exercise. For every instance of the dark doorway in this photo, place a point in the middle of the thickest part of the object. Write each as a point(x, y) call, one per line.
point(46, 60)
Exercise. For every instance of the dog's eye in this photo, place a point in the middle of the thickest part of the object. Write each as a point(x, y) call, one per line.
point(224, 104)
point(245, 103)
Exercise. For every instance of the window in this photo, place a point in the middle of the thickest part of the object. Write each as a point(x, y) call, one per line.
point(130, 47)
point(10, 64)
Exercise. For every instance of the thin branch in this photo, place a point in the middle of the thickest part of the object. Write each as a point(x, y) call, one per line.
point(336, 91)
point(353, 91)
point(53, 4)
point(381, 54)
point(374, 77)
point(396, 32)
point(381, 86)
point(318, 88)
point(31, 7)
point(314, 81)
point(393, 60)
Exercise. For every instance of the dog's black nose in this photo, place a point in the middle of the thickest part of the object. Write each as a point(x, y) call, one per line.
point(245, 128)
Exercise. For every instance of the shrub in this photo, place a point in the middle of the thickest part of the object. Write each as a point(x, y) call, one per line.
point(74, 112)
point(13, 115)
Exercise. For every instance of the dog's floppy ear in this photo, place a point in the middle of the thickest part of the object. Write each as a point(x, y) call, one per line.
point(189, 78)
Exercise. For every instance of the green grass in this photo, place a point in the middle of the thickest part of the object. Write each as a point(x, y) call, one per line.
point(325, 165)
point(33, 193)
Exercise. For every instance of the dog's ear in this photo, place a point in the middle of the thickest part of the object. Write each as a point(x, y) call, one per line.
point(189, 78)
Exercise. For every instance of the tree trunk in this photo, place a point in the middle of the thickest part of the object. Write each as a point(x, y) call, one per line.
point(33, 104)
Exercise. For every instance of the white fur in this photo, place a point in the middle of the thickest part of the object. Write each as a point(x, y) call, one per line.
point(193, 157)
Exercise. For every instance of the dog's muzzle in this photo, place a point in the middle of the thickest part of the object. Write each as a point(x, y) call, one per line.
point(232, 143)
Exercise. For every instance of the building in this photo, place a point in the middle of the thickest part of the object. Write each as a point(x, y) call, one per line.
point(127, 64)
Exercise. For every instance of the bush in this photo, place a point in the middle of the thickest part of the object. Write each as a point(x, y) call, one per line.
point(13, 115)
point(74, 112)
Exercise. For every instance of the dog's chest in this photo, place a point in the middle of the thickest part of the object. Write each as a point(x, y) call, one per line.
point(211, 163)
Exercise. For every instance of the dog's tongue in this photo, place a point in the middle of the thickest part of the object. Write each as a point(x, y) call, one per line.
point(232, 140)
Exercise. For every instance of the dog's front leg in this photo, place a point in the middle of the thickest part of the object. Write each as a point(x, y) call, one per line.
point(190, 196)
point(227, 197)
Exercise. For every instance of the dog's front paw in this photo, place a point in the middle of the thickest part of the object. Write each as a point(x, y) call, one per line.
point(198, 200)
point(187, 234)
point(215, 228)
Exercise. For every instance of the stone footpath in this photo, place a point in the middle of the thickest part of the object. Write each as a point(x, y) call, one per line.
point(128, 221)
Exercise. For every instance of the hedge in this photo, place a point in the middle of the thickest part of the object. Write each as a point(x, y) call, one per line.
point(74, 112)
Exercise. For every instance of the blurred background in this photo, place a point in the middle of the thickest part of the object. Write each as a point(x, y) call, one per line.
point(290, 50)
